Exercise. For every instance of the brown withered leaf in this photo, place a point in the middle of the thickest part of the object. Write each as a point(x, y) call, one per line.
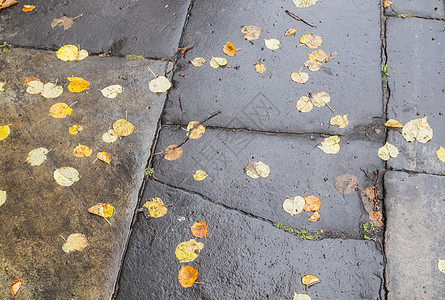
point(187, 276)
point(7, 3)
point(386, 3)
point(376, 217)
point(312, 203)
point(346, 183)
point(15, 287)
point(64, 21)
point(172, 152)
point(199, 230)
point(291, 31)
point(314, 217)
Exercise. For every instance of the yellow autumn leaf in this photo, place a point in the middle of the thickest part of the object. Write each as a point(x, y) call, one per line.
point(60, 110)
point(71, 53)
point(75, 242)
point(318, 55)
point(103, 210)
point(441, 265)
point(103, 156)
point(2, 197)
point(260, 68)
point(82, 150)
point(417, 129)
point(386, 3)
point(299, 77)
point(313, 65)
point(197, 132)
point(15, 287)
point(200, 175)
point(51, 91)
point(393, 123)
point(308, 280)
point(198, 61)
point(2, 86)
point(111, 91)
point(294, 206)
point(77, 84)
point(27, 7)
point(304, 3)
point(441, 154)
point(218, 62)
point(82, 54)
point(4, 132)
point(304, 104)
point(313, 41)
point(256, 169)
point(188, 251)
point(122, 128)
point(340, 120)
point(34, 87)
point(330, 145)
point(36, 157)
point(388, 151)
point(229, 49)
point(75, 129)
point(187, 275)
point(66, 176)
point(301, 297)
point(172, 152)
point(272, 44)
point(251, 33)
point(159, 85)
point(321, 99)
point(154, 208)
point(109, 136)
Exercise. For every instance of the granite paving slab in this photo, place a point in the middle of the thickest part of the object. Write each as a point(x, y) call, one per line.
point(424, 8)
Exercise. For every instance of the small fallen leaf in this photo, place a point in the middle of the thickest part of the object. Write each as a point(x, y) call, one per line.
point(309, 280)
point(75, 242)
point(301, 297)
point(64, 21)
point(198, 61)
point(172, 152)
point(200, 175)
point(304, 104)
point(272, 44)
point(441, 154)
point(154, 208)
point(51, 91)
point(321, 99)
point(311, 40)
point(187, 276)
point(197, 132)
point(109, 136)
point(330, 145)
point(313, 65)
point(314, 217)
point(188, 251)
point(60, 110)
point(256, 169)
point(2, 197)
point(441, 265)
point(4, 132)
point(376, 217)
point(7, 3)
point(15, 287)
point(293, 206)
point(393, 123)
point(318, 55)
point(340, 120)
point(370, 193)
point(2, 86)
point(82, 54)
point(37, 156)
point(77, 84)
point(386, 3)
point(312, 203)
point(103, 210)
point(218, 62)
point(27, 7)
point(229, 49)
point(388, 151)
point(304, 3)
point(75, 129)
point(122, 128)
point(34, 87)
point(71, 53)
point(103, 156)
point(251, 32)
point(299, 77)
point(66, 176)
point(346, 183)
point(28, 79)
point(111, 91)
point(159, 85)
point(199, 230)
point(417, 129)
point(291, 31)
point(260, 68)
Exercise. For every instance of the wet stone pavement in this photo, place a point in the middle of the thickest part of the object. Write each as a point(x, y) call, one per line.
point(254, 249)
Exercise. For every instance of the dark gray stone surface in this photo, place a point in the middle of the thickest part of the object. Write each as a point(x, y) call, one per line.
point(424, 8)
point(148, 28)
point(267, 102)
point(242, 258)
point(296, 166)
point(414, 235)
point(38, 210)
point(417, 82)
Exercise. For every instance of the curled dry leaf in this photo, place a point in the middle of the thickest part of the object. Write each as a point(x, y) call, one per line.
point(64, 21)
point(199, 230)
point(417, 129)
point(251, 32)
point(441, 154)
point(103, 210)
point(66, 176)
point(260, 68)
point(75, 242)
point(386, 3)
point(172, 152)
point(71, 53)
point(187, 276)
point(304, 3)
point(346, 183)
point(111, 91)
point(75, 129)
point(340, 120)
point(109, 136)
point(301, 297)
point(15, 287)
point(4, 132)
point(256, 169)
point(291, 31)
point(370, 193)
point(309, 280)
point(122, 128)
point(7, 3)
point(313, 65)
point(154, 208)
point(103, 156)
point(321, 99)
point(82, 150)
point(27, 7)
point(388, 151)
point(304, 104)
point(77, 84)
point(51, 91)
point(229, 49)
point(311, 203)
point(37, 156)
point(188, 251)
point(318, 55)
point(293, 206)
point(198, 61)
point(311, 40)
point(314, 217)
point(34, 87)
point(272, 44)
point(330, 145)
point(60, 110)
point(441, 265)
point(376, 217)
point(299, 77)
point(159, 85)
point(218, 62)
point(200, 175)
point(393, 123)
point(28, 79)
point(2, 197)
point(197, 132)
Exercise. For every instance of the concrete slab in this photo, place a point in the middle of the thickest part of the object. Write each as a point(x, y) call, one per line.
point(267, 102)
point(424, 8)
point(414, 235)
point(148, 28)
point(38, 211)
point(416, 62)
point(242, 258)
point(296, 166)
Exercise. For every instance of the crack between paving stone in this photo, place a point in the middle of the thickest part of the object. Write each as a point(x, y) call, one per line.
point(417, 17)
point(415, 172)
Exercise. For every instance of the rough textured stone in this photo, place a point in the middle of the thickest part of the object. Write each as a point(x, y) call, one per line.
point(416, 62)
point(267, 102)
point(414, 235)
point(242, 258)
point(38, 211)
point(149, 28)
point(424, 8)
point(296, 166)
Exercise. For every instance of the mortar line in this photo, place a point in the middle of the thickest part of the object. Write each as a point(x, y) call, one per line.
point(416, 17)
point(415, 172)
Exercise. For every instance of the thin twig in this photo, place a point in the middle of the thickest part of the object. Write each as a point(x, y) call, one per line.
point(298, 18)
point(77, 17)
point(153, 238)
point(180, 104)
